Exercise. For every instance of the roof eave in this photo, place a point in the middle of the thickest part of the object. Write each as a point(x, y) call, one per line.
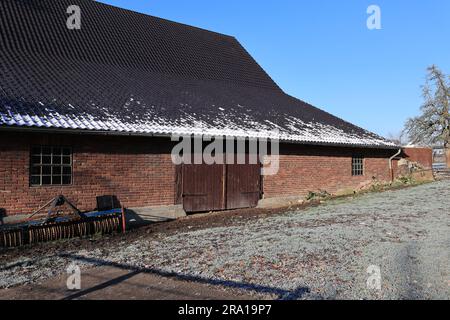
point(164, 135)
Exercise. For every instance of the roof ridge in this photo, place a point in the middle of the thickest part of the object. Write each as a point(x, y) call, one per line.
point(161, 19)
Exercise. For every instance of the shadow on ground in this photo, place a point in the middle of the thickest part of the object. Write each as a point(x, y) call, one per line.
point(281, 294)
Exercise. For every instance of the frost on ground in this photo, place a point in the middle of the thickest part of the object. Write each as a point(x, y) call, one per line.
point(318, 253)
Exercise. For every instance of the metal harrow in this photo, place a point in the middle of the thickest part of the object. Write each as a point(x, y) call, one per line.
point(11, 238)
point(60, 228)
point(37, 232)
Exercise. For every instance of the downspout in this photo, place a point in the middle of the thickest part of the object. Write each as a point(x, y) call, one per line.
point(391, 169)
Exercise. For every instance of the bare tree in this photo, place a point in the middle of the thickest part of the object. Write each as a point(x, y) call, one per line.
point(432, 127)
point(398, 138)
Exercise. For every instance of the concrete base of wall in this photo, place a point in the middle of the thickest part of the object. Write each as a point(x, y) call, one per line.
point(143, 216)
point(13, 219)
point(280, 202)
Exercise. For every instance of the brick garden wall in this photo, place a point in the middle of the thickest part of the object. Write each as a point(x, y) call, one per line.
point(305, 168)
point(138, 171)
point(423, 156)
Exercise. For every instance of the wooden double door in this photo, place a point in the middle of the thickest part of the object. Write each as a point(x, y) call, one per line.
point(217, 187)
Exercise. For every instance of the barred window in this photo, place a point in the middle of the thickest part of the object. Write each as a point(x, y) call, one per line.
point(357, 166)
point(50, 166)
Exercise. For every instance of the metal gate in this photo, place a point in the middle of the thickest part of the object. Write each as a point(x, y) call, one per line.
point(219, 187)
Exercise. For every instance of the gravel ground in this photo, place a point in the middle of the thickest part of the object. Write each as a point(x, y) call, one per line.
point(321, 252)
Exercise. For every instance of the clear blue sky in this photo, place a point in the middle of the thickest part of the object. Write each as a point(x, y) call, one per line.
point(322, 52)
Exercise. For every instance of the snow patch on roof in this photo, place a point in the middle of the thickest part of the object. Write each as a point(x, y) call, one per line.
point(188, 124)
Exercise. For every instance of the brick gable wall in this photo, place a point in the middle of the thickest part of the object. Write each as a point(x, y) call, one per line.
point(423, 156)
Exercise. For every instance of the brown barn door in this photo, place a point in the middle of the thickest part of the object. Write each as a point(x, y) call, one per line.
point(219, 187)
point(203, 187)
point(243, 187)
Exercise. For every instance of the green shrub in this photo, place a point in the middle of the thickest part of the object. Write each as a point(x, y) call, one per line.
point(406, 180)
point(317, 195)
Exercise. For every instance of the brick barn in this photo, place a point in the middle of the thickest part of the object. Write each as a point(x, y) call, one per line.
point(90, 112)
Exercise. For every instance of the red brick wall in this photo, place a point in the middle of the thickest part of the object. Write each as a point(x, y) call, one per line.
point(304, 169)
point(423, 156)
point(138, 171)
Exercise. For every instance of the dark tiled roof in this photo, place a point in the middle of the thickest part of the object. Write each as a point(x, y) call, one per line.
point(129, 72)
